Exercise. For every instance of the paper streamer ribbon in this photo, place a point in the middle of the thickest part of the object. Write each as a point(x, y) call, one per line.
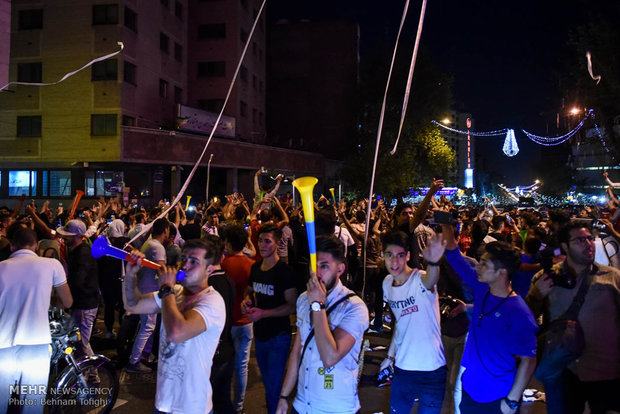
point(597, 78)
point(409, 80)
point(379, 133)
point(68, 75)
point(217, 122)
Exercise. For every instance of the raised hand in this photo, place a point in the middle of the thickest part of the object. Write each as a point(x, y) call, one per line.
point(435, 249)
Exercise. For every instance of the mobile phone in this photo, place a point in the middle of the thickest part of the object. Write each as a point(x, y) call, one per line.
point(442, 217)
point(215, 199)
point(246, 226)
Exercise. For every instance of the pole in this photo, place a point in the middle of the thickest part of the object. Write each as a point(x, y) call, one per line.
point(208, 176)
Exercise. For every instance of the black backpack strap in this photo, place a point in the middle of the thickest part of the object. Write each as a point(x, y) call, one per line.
point(327, 312)
point(573, 310)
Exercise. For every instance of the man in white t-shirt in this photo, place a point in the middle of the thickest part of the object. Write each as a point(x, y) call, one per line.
point(416, 351)
point(193, 317)
point(26, 283)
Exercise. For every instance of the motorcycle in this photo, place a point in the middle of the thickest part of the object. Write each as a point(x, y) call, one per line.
point(77, 385)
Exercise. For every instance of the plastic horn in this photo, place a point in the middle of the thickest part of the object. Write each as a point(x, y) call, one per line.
point(101, 247)
point(187, 203)
point(331, 190)
point(78, 195)
point(305, 185)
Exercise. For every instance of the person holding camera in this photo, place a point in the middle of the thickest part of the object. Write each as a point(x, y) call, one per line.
point(594, 376)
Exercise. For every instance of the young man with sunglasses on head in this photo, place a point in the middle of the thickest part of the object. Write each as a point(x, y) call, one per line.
point(595, 376)
point(193, 317)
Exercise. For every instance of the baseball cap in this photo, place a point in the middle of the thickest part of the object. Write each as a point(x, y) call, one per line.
point(72, 228)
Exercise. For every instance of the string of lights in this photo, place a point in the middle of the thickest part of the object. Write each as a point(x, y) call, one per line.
point(560, 139)
point(598, 132)
point(473, 133)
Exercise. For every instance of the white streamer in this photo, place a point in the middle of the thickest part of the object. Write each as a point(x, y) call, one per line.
point(379, 132)
point(217, 122)
point(597, 78)
point(68, 75)
point(409, 80)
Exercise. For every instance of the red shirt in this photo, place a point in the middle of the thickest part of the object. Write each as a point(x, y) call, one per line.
point(238, 269)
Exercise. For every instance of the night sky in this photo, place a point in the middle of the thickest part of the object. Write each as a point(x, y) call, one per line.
point(505, 57)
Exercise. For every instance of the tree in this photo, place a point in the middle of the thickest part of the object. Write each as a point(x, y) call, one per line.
point(422, 152)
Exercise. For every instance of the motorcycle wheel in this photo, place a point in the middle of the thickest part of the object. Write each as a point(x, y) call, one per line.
point(99, 395)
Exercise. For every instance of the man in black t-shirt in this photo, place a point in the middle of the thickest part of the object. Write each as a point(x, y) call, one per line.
point(269, 301)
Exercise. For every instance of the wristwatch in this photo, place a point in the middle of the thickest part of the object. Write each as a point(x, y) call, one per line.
point(164, 291)
point(317, 306)
point(513, 405)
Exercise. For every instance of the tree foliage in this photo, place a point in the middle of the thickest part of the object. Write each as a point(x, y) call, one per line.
point(422, 152)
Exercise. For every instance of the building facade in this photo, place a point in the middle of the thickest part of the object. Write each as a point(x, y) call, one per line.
point(115, 122)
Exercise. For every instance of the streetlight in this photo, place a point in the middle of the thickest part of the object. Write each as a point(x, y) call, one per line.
point(445, 121)
point(574, 111)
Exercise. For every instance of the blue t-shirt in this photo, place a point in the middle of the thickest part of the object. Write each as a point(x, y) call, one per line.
point(521, 280)
point(495, 339)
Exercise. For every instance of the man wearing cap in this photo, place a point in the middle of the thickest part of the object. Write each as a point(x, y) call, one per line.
point(83, 280)
point(26, 283)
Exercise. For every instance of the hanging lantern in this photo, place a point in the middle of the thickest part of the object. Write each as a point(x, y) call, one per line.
point(510, 144)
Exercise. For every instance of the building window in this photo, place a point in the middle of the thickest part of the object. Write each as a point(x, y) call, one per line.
point(164, 43)
point(244, 4)
point(212, 69)
point(129, 73)
point(254, 49)
point(23, 182)
point(260, 86)
point(105, 70)
point(55, 183)
point(212, 31)
point(103, 125)
point(165, 3)
point(178, 52)
point(244, 35)
point(243, 109)
point(243, 73)
point(178, 9)
point(105, 14)
point(96, 182)
point(127, 120)
point(30, 19)
point(178, 94)
point(254, 117)
point(131, 19)
point(254, 82)
point(163, 88)
point(29, 126)
point(30, 72)
point(213, 105)
point(261, 119)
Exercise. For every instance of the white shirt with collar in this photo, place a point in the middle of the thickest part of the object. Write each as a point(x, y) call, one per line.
point(330, 389)
point(26, 282)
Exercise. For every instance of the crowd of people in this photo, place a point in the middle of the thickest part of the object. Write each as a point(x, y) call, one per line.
point(468, 288)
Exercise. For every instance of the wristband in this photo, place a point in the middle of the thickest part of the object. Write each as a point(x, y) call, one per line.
point(432, 263)
point(284, 397)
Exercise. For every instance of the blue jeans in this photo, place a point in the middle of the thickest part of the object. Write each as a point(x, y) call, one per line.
point(147, 327)
point(428, 386)
point(568, 395)
point(271, 356)
point(469, 406)
point(84, 319)
point(24, 365)
point(242, 339)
